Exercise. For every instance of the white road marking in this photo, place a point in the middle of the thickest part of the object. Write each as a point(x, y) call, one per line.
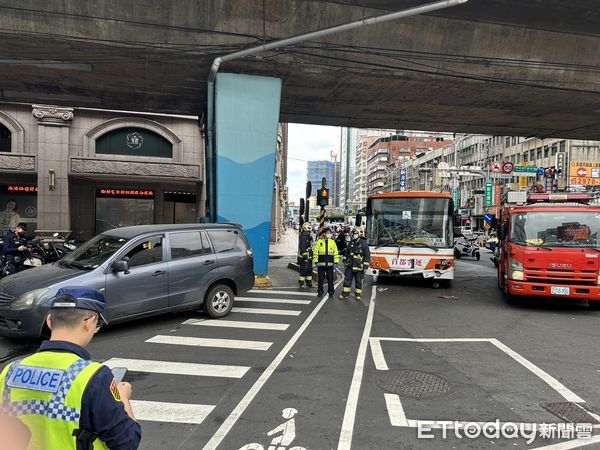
point(272, 300)
point(395, 410)
point(345, 441)
point(238, 324)
point(577, 443)
point(550, 380)
point(178, 368)
point(377, 353)
point(433, 339)
point(209, 342)
point(264, 377)
point(266, 291)
point(170, 412)
point(276, 312)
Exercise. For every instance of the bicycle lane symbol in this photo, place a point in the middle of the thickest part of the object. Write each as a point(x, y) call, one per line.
point(283, 440)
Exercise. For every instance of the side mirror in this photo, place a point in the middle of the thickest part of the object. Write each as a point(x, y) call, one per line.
point(502, 231)
point(120, 266)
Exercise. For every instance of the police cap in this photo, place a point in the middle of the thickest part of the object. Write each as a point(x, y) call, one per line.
point(80, 298)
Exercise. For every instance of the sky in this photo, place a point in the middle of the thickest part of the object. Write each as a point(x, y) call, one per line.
point(307, 143)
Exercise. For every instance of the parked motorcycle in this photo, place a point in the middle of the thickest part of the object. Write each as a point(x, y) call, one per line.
point(466, 247)
point(496, 256)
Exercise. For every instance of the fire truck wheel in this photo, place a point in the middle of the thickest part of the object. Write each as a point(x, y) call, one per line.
point(594, 306)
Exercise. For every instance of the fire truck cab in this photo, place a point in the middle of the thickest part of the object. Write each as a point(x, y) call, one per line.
point(550, 247)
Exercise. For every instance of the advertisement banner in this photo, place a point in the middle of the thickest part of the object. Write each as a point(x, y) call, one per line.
point(497, 194)
point(489, 194)
point(18, 204)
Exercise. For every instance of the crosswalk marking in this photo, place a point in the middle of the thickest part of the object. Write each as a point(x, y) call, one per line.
point(209, 342)
point(238, 324)
point(170, 412)
point(272, 300)
point(178, 368)
point(276, 312)
point(395, 410)
point(266, 291)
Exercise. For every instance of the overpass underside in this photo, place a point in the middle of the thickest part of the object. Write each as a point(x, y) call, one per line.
point(504, 67)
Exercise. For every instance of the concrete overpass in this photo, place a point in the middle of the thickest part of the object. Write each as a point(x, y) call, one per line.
point(509, 67)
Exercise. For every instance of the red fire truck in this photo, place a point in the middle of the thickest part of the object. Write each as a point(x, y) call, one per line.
point(550, 247)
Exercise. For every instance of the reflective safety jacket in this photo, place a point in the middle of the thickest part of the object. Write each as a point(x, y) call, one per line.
point(44, 392)
point(326, 252)
point(357, 255)
point(305, 252)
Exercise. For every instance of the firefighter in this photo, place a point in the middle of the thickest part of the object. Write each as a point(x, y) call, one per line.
point(305, 256)
point(358, 259)
point(326, 258)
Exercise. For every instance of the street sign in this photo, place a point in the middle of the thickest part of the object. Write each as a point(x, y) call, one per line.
point(403, 179)
point(496, 167)
point(455, 197)
point(507, 167)
point(581, 172)
point(489, 194)
point(541, 171)
point(561, 164)
point(501, 176)
point(525, 171)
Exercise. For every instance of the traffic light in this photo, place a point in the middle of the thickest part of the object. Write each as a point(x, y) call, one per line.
point(552, 171)
point(323, 197)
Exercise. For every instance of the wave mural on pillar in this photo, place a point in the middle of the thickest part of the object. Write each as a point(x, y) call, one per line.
point(246, 117)
point(246, 197)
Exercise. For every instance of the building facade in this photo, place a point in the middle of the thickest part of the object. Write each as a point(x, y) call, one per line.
point(474, 155)
point(82, 171)
point(316, 171)
point(385, 153)
point(280, 190)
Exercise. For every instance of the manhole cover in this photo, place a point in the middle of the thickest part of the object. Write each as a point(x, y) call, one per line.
point(569, 412)
point(413, 383)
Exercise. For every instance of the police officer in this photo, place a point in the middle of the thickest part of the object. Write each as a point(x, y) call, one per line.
point(326, 258)
point(358, 259)
point(305, 256)
point(67, 401)
point(14, 248)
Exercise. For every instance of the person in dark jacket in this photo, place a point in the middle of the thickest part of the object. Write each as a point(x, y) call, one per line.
point(14, 248)
point(305, 254)
point(358, 259)
point(340, 240)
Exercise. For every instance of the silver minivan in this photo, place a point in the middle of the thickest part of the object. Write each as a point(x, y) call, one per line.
point(142, 270)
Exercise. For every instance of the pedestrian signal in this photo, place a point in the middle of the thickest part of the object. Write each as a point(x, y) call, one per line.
point(323, 197)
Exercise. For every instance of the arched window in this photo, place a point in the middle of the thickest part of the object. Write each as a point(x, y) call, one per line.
point(134, 142)
point(5, 139)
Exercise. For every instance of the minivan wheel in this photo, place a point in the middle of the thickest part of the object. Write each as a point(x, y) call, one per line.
point(219, 301)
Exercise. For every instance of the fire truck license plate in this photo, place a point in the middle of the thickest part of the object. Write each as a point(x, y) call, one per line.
point(559, 290)
point(403, 263)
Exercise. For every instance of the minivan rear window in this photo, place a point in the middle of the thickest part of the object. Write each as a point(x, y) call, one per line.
point(188, 244)
point(226, 240)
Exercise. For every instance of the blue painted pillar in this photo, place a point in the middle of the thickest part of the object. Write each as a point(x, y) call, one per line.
point(246, 119)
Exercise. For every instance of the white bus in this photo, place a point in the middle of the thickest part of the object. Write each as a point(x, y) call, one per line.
point(411, 234)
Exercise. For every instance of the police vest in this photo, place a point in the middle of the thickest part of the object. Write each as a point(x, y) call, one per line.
point(326, 253)
point(44, 391)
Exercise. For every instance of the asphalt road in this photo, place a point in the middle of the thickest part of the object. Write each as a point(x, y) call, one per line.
point(295, 371)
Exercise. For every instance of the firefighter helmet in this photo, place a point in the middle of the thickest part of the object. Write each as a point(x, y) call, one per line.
point(360, 231)
point(307, 227)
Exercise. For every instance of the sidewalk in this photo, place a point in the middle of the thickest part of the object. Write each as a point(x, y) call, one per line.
point(280, 255)
point(287, 245)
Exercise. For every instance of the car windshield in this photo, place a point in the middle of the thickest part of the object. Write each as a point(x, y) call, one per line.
point(556, 229)
point(410, 221)
point(94, 252)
